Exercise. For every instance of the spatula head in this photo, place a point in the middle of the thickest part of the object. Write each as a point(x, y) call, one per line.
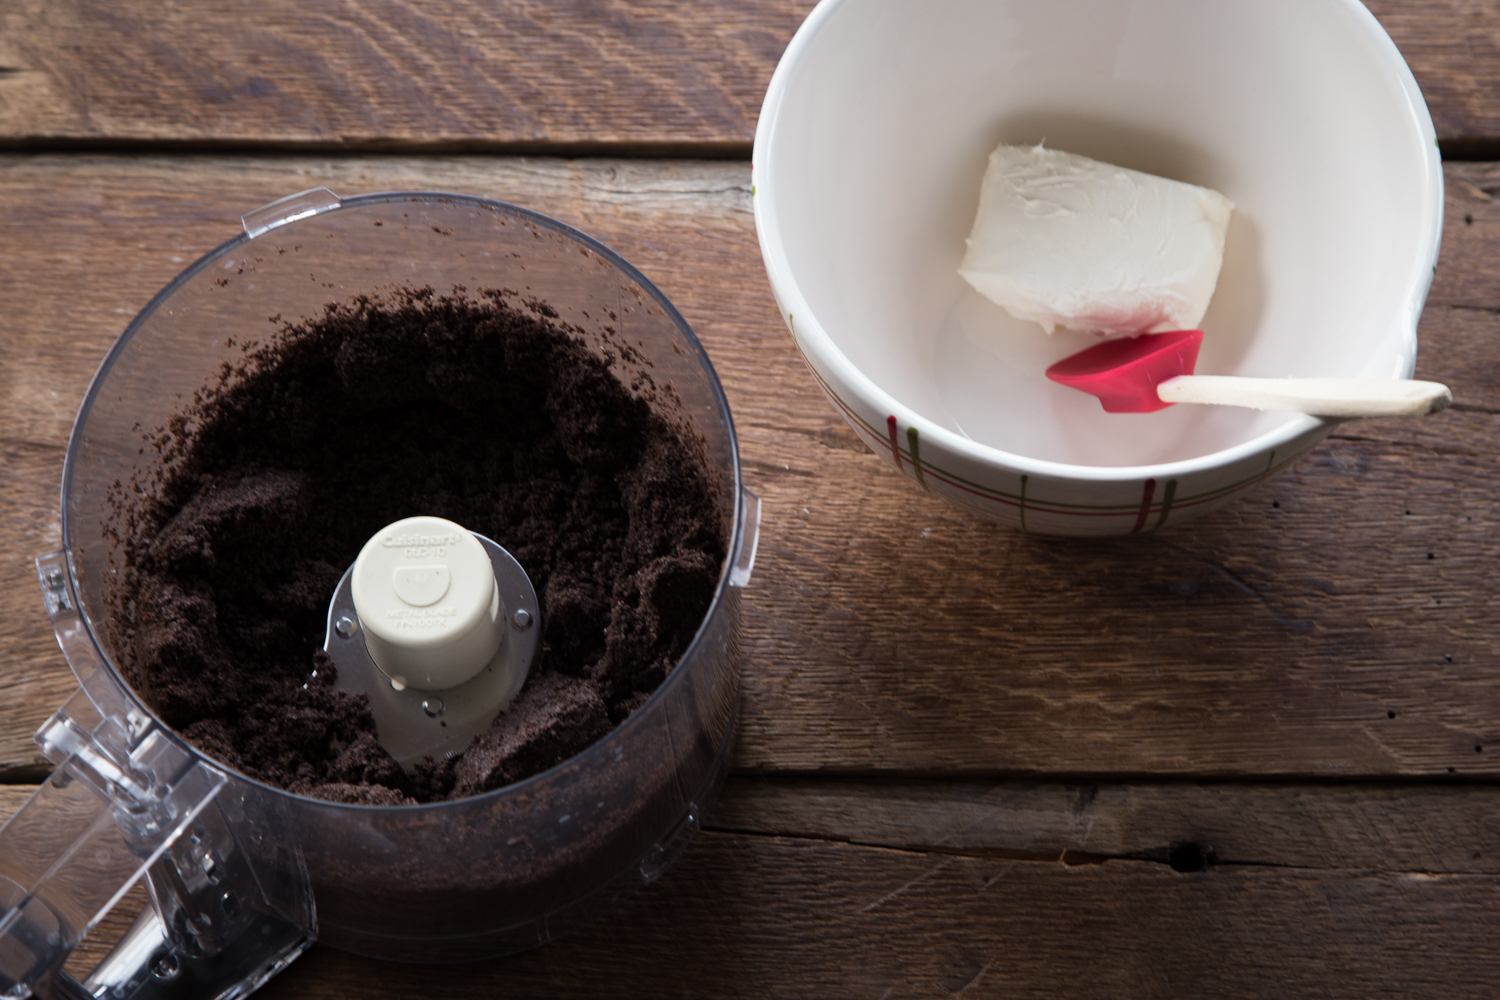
point(1124, 373)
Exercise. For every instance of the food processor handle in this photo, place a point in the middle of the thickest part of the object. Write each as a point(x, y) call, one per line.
point(744, 556)
point(128, 799)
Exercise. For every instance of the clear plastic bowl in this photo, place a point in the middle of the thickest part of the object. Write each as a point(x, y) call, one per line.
point(452, 881)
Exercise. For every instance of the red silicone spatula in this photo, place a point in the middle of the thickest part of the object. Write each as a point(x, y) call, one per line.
point(1153, 371)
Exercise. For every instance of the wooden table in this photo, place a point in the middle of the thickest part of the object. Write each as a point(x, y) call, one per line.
point(1255, 755)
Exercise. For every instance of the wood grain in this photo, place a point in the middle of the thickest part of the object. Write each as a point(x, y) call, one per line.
point(393, 73)
point(1452, 828)
point(828, 888)
point(1453, 49)
point(524, 75)
point(1471, 238)
point(35, 679)
point(889, 632)
point(1327, 826)
point(755, 917)
point(966, 755)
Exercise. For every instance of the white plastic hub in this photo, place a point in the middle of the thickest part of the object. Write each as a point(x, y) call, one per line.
point(425, 593)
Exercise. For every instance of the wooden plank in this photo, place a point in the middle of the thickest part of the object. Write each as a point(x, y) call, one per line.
point(759, 916)
point(524, 75)
point(888, 631)
point(1453, 49)
point(35, 680)
point(1274, 636)
point(767, 913)
point(132, 224)
point(1471, 237)
point(1461, 348)
point(361, 74)
point(1436, 827)
point(1449, 828)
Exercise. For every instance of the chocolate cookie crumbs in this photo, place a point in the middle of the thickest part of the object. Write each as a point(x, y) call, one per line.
point(487, 411)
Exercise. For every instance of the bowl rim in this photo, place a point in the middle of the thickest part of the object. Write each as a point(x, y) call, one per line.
point(812, 339)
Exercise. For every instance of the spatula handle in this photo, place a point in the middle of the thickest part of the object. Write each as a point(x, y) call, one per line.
point(1320, 397)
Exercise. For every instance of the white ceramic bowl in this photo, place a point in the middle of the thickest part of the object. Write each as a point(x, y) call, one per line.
point(868, 158)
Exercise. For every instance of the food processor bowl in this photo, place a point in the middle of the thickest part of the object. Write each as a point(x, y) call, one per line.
point(242, 875)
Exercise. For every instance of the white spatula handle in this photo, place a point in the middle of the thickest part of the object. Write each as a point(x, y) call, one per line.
point(1320, 397)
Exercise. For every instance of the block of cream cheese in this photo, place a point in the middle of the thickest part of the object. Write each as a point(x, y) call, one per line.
point(1068, 241)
